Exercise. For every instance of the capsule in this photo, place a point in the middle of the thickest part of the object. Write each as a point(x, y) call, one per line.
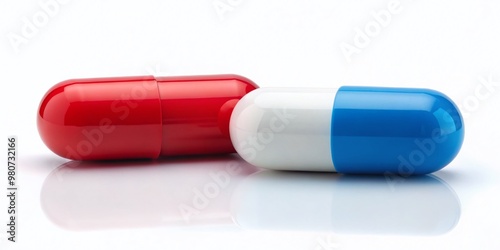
point(140, 117)
point(352, 130)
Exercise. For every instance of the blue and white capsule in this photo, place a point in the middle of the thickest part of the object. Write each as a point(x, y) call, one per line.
point(352, 130)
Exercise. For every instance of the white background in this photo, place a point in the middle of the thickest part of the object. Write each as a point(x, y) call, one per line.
point(450, 46)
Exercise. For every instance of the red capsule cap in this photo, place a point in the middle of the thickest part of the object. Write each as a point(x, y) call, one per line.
point(140, 117)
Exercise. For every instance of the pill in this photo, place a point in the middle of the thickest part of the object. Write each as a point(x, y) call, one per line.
point(352, 130)
point(140, 117)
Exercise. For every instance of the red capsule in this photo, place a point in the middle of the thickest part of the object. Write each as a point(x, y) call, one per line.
point(140, 117)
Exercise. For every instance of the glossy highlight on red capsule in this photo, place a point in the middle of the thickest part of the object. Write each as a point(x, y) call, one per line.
point(140, 117)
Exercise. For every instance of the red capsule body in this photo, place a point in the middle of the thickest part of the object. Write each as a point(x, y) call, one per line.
point(140, 117)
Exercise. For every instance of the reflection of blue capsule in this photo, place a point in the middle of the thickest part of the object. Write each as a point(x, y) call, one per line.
point(345, 204)
point(355, 130)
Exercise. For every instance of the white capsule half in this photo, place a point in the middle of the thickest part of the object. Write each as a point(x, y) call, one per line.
point(285, 129)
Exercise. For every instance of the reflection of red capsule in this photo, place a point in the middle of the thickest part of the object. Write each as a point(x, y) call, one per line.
point(189, 192)
point(140, 117)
